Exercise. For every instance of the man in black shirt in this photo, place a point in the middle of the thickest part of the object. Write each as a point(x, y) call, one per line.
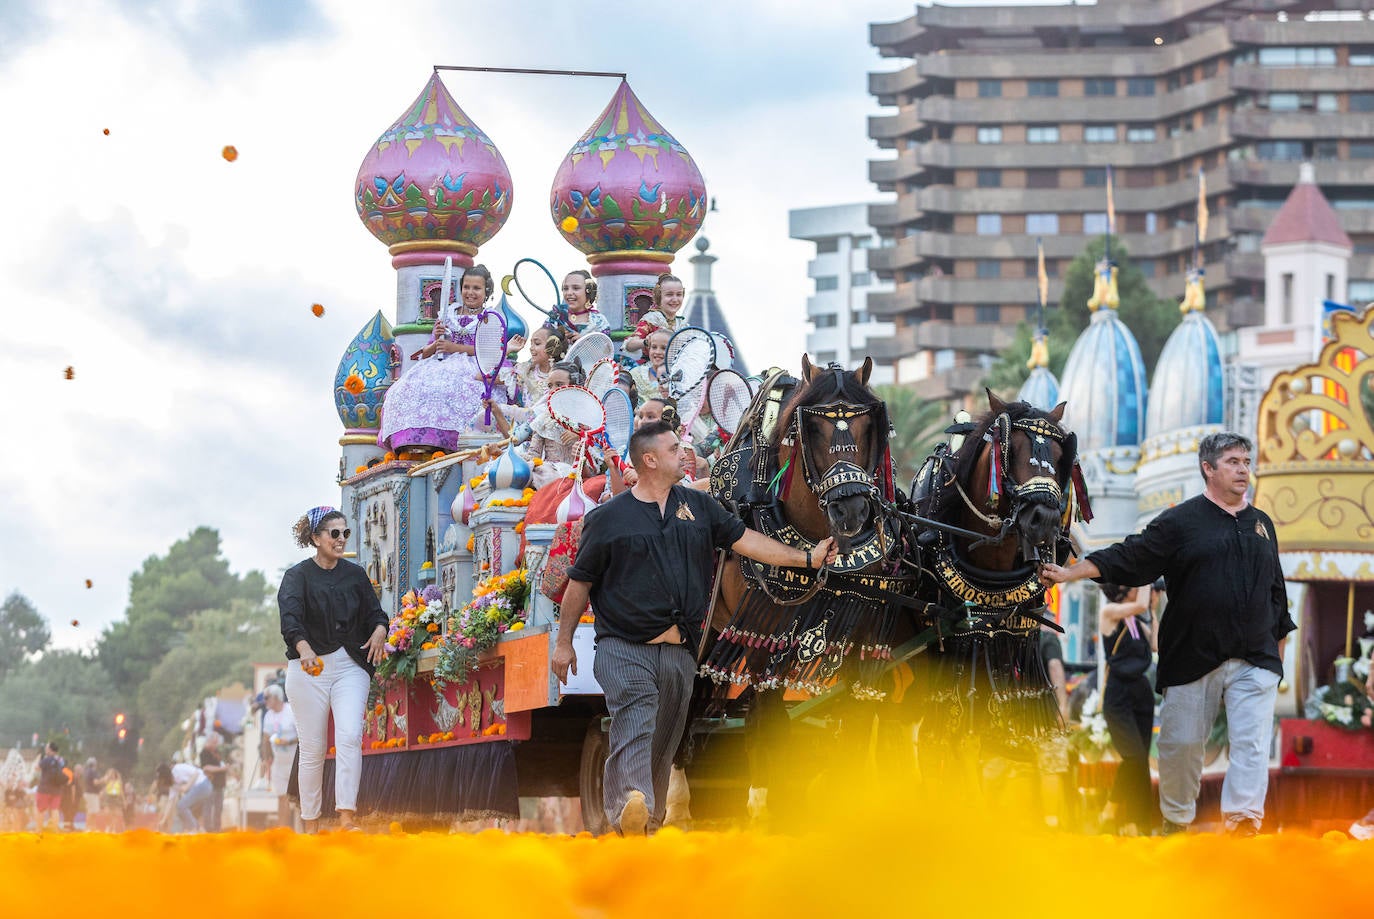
point(1222, 637)
point(212, 764)
point(645, 562)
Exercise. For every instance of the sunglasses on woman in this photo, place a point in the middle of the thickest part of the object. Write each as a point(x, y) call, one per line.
point(336, 532)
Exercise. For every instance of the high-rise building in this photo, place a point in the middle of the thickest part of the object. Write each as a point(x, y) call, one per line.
point(843, 329)
point(1008, 117)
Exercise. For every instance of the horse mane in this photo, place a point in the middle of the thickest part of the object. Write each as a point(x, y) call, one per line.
point(962, 461)
point(825, 386)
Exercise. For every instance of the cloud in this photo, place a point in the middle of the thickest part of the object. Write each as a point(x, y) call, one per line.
point(211, 32)
point(24, 22)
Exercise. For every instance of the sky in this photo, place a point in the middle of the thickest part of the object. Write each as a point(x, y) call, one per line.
point(178, 286)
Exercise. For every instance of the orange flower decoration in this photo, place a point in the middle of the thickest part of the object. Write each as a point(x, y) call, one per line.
point(230, 153)
point(315, 668)
point(486, 566)
point(388, 457)
point(438, 454)
point(354, 384)
point(317, 309)
point(379, 709)
point(359, 470)
point(332, 751)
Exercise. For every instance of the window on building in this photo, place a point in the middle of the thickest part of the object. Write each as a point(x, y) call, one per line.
point(826, 357)
point(1331, 287)
point(1286, 299)
point(1042, 224)
point(1042, 88)
point(989, 268)
point(1147, 267)
point(944, 360)
point(1099, 133)
point(1210, 115)
point(989, 178)
point(990, 135)
point(1328, 102)
point(1326, 150)
point(1297, 57)
point(1361, 56)
point(1360, 291)
point(1102, 86)
point(861, 279)
point(989, 89)
point(1360, 102)
point(1361, 151)
point(1094, 223)
point(1140, 86)
point(989, 224)
point(859, 317)
point(1283, 151)
point(1283, 102)
point(1094, 177)
point(1033, 268)
point(825, 321)
point(1042, 134)
point(826, 246)
point(1042, 178)
point(1140, 134)
point(1151, 222)
point(827, 282)
point(1209, 69)
point(984, 314)
point(863, 242)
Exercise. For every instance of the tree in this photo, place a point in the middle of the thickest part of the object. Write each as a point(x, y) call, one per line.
point(60, 693)
point(164, 597)
point(23, 632)
point(218, 649)
point(1150, 318)
point(916, 426)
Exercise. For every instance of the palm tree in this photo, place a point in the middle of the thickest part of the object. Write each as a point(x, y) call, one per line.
point(917, 424)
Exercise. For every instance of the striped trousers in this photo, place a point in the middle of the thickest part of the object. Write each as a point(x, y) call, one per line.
point(648, 689)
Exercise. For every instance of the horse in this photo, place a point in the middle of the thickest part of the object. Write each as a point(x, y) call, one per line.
point(809, 460)
point(1008, 485)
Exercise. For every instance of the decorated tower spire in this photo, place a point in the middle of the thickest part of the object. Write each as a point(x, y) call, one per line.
point(628, 196)
point(433, 186)
point(1041, 388)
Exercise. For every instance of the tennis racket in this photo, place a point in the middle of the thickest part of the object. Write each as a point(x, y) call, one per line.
point(691, 356)
point(575, 409)
point(603, 376)
point(557, 312)
point(590, 348)
point(729, 397)
point(490, 345)
point(620, 424)
point(725, 352)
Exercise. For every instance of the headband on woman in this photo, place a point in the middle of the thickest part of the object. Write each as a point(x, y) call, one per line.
point(317, 515)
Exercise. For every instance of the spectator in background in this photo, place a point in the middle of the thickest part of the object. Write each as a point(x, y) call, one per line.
point(51, 782)
point(73, 795)
point(194, 793)
point(14, 780)
point(212, 764)
point(112, 800)
point(279, 747)
point(1128, 704)
point(90, 781)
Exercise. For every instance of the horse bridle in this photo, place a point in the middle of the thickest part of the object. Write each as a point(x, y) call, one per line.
point(843, 478)
point(1044, 486)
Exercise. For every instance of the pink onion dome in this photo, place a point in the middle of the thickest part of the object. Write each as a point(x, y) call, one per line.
point(628, 187)
point(434, 182)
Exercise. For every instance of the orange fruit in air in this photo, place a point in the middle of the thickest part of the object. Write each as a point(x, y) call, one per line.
point(230, 153)
point(106, 132)
point(75, 623)
point(317, 309)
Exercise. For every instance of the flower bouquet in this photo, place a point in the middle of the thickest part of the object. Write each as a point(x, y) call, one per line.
point(1344, 704)
point(416, 628)
point(498, 606)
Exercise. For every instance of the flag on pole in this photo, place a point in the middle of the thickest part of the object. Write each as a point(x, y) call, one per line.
point(1202, 213)
point(1111, 205)
point(1041, 275)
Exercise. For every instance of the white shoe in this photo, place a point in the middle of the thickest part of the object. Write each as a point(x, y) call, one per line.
point(634, 816)
point(1361, 830)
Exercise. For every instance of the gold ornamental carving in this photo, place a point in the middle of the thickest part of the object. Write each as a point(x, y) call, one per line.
point(1315, 467)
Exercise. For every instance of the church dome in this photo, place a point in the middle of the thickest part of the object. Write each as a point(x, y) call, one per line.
point(364, 375)
point(434, 177)
point(627, 185)
point(1041, 389)
point(1188, 386)
point(1104, 379)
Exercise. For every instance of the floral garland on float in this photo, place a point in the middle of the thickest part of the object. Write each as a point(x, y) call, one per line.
point(417, 628)
point(497, 607)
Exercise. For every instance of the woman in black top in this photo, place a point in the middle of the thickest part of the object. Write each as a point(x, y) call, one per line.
point(335, 633)
point(1128, 703)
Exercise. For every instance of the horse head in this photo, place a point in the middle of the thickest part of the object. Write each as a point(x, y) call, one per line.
point(839, 429)
point(1024, 464)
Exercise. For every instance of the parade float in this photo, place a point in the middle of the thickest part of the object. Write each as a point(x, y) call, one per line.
point(467, 716)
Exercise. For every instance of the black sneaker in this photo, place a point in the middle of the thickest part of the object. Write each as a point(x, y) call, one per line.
point(1244, 828)
point(1169, 828)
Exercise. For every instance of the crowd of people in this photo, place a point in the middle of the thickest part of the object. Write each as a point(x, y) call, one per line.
point(51, 794)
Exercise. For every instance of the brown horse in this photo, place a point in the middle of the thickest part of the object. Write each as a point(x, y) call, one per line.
point(1009, 482)
point(810, 461)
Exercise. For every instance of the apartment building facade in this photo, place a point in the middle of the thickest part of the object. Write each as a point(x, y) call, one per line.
point(1006, 119)
point(841, 324)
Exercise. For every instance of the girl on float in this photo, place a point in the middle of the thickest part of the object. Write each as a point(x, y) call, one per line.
point(649, 377)
point(335, 634)
point(546, 349)
point(439, 397)
point(668, 295)
point(579, 293)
